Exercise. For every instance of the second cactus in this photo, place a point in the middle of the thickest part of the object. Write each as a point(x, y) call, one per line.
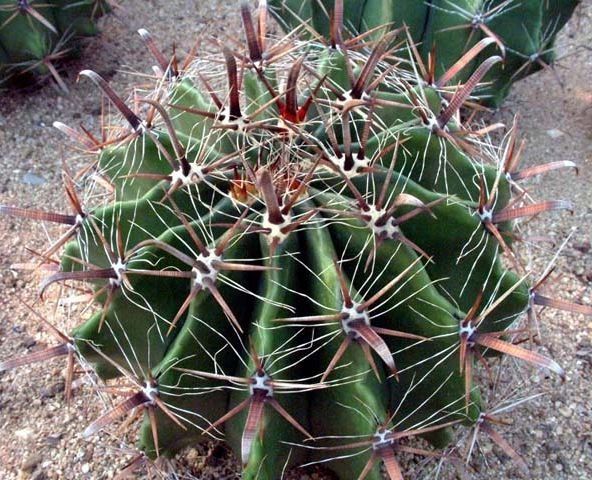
point(444, 30)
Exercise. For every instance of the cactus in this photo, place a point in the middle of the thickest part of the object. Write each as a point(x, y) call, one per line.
point(35, 35)
point(444, 30)
point(298, 249)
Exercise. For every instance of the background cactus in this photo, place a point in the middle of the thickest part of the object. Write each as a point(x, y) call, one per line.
point(445, 30)
point(35, 35)
point(321, 235)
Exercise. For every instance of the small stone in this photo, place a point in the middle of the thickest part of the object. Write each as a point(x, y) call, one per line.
point(566, 463)
point(553, 446)
point(52, 390)
point(85, 468)
point(566, 412)
point(25, 434)
point(487, 448)
point(54, 439)
point(29, 342)
point(583, 247)
point(38, 475)
point(88, 454)
point(30, 463)
point(32, 179)
point(555, 133)
point(585, 354)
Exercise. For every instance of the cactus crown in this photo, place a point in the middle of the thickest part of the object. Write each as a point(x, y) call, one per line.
point(294, 240)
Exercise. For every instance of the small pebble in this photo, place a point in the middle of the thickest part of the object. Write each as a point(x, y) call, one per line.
point(25, 434)
point(566, 412)
point(555, 133)
point(30, 463)
point(29, 342)
point(38, 475)
point(583, 247)
point(32, 179)
point(54, 439)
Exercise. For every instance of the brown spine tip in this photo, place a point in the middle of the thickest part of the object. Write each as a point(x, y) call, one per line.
point(38, 215)
point(562, 305)
point(163, 63)
point(79, 275)
point(337, 24)
point(116, 413)
point(489, 341)
point(465, 91)
point(469, 56)
point(231, 70)
point(508, 214)
point(268, 192)
point(26, 8)
point(542, 169)
point(99, 81)
point(252, 38)
point(85, 140)
point(35, 357)
point(291, 105)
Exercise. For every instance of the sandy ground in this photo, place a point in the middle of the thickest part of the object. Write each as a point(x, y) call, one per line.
point(40, 436)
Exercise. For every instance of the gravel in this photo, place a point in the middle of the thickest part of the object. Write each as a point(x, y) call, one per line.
point(40, 436)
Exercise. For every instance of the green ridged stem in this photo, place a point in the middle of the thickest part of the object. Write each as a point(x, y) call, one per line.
point(417, 306)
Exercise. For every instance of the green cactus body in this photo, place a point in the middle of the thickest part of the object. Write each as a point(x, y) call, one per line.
point(35, 35)
point(310, 249)
point(526, 29)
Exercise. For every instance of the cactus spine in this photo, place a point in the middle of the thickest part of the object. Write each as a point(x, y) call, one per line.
point(297, 241)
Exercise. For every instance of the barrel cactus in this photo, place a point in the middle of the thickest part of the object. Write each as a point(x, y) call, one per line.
point(298, 249)
point(444, 30)
point(35, 35)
